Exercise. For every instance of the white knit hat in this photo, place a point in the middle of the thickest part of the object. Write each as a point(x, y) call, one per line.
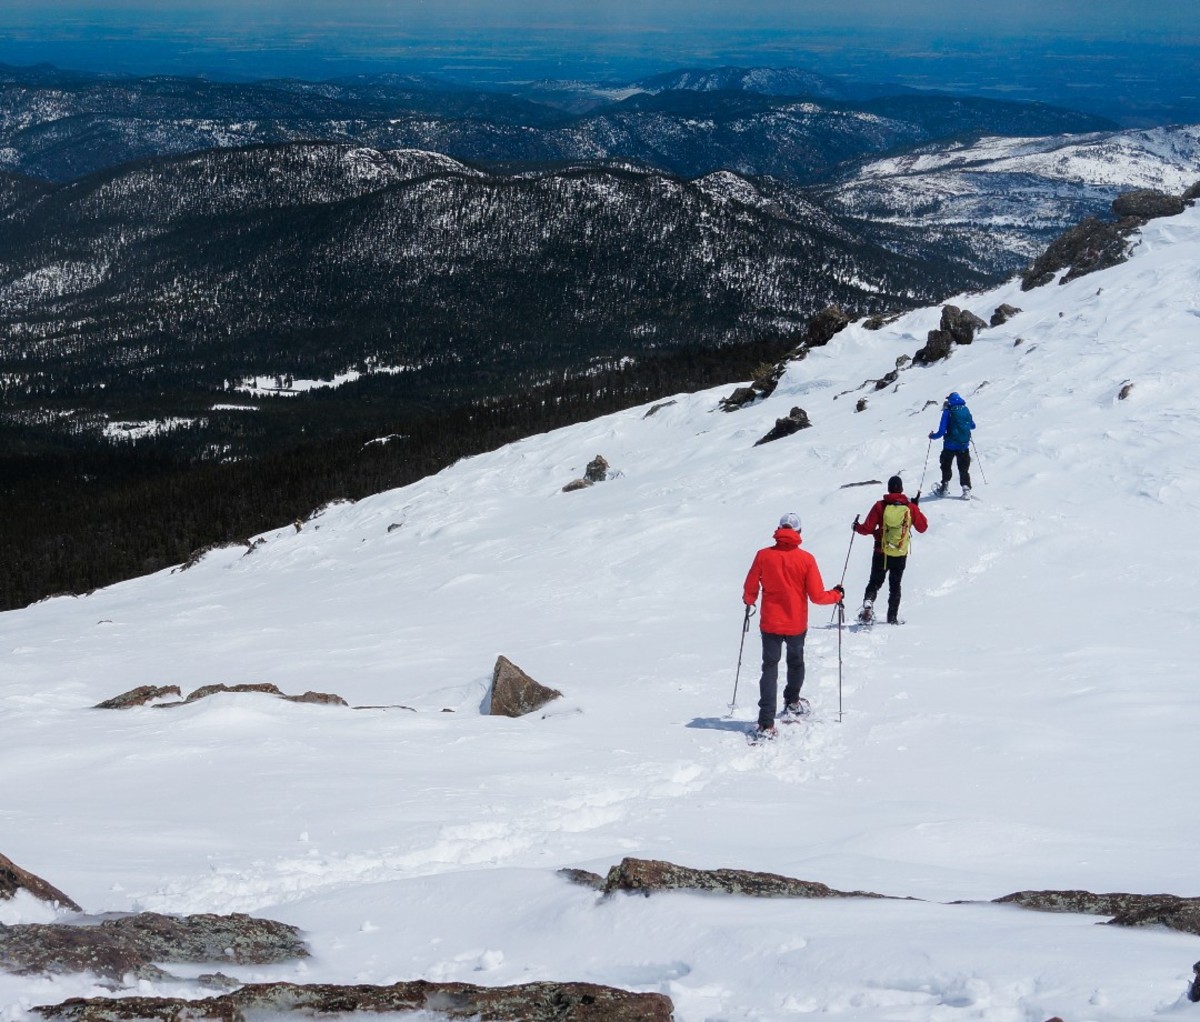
point(790, 521)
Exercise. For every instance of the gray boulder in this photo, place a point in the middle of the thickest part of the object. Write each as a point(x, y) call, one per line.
point(1003, 314)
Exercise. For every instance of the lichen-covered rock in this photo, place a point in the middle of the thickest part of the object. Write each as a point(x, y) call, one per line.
point(583, 877)
point(13, 878)
point(514, 693)
point(526, 1002)
point(1168, 910)
point(130, 945)
point(576, 484)
point(648, 875)
point(139, 696)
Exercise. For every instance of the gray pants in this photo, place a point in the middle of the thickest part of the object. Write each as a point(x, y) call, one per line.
point(768, 684)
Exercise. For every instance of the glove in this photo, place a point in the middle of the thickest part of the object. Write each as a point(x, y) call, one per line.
point(839, 590)
point(917, 498)
point(933, 436)
point(854, 524)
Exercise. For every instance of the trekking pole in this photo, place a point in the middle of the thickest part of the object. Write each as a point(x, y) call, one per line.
point(925, 466)
point(745, 628)
point(978, 461)
point(841, 613)
point(842, 580)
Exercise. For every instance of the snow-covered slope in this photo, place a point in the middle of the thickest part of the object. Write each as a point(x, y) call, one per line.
point(1032, 726)
point(1012, 194)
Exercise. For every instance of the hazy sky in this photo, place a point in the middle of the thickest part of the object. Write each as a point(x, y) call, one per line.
point(1067, 47)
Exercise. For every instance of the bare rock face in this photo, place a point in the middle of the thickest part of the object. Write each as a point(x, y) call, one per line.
point(1168, 910)
point(13, 878)
point(527, 1002)
point(1088, 246)
point(514, 693)
point(648, 875)
point(1192, 192)
point(796, 420)
point(822, 327)
point(130, 945)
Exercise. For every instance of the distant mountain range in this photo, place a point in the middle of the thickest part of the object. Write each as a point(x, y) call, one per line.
point(793, 125)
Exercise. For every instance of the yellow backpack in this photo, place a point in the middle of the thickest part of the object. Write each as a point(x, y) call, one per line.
point(897, 523)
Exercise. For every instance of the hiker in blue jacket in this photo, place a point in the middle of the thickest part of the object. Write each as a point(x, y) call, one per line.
point(955, 426)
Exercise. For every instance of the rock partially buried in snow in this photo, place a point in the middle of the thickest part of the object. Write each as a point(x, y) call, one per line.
point(648, 875)
point(526, 1002)
point(131, 945)
point(13, 878)
point(1167, 910)
point(514, 693)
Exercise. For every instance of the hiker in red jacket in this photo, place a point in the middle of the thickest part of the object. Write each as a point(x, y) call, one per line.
point(891, 521)
point(789, 578)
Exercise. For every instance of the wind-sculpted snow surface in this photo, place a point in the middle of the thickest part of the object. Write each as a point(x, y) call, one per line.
point(1031, 728)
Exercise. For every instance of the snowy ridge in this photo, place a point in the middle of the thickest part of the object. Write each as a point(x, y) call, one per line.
point(1032, 726)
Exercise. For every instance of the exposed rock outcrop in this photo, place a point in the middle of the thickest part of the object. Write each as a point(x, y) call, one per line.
point(648, 875)
point(1148, 204)
point(131, 945)
point(1003, 314)
point(147, 693)
point(140, 696)
point(1168, 910)
point(527, 1002)
point(1088, 246)
point(13, 878)
point(596, 472)
point(938, 345)
point(960, 324)
point(825, 325)
point(514, 693)
point(796, 420)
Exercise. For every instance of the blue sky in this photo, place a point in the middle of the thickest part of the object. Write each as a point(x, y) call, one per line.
point(1043, 49)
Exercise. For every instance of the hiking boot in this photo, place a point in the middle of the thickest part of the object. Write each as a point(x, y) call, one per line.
point(800, 708)
point(940, 489)
point(966, 493)
point(763, 734)
point(867, 614)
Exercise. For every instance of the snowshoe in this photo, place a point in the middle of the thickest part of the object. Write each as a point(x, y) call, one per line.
point(757, 735)
point(867, 614)
point(793, 712)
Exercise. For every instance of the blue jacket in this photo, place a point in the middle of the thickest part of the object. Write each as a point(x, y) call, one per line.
point(955, 426)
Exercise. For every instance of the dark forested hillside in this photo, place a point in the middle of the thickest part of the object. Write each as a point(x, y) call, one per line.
point(82, 511)
point(192, 273)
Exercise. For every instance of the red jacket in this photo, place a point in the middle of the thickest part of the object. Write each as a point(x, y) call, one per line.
point(873, 526)
point(789, 578)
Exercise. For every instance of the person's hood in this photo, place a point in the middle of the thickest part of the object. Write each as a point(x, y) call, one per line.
point(787, 539)
point(954, 399)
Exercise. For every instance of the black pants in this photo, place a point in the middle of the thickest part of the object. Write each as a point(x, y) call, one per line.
point(964, 467)
point(893, 568)
point(768, 684)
